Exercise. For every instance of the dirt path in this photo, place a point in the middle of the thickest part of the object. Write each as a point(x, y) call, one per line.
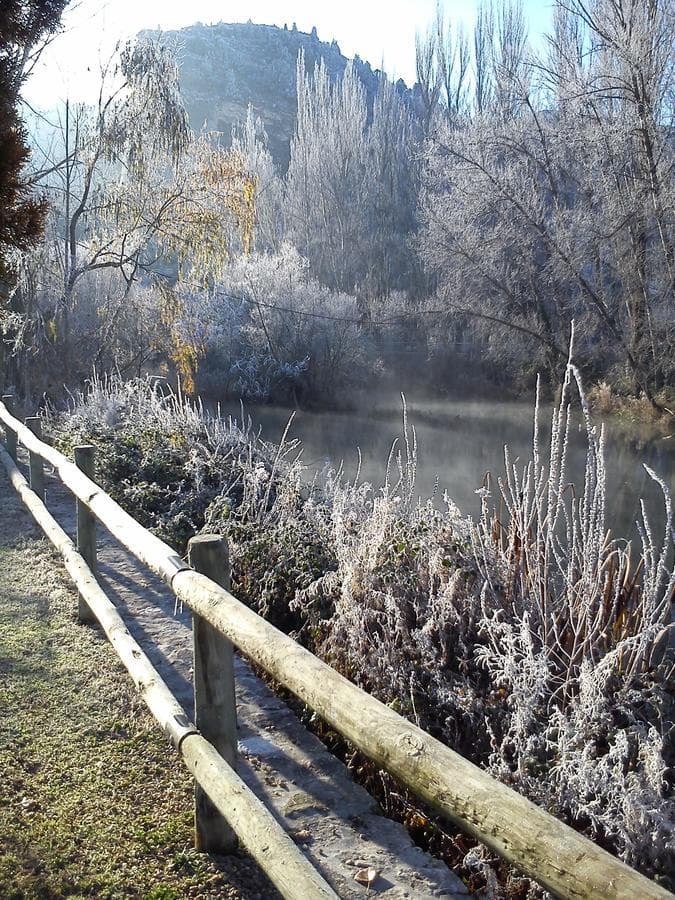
point(307, 789)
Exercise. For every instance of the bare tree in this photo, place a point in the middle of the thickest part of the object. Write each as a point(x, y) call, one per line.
point(350, 187)
point(541, 212)
point(627, 90)
point(131, 191)
point(442, 68)
point(429, 76)
point(509, 59)
point(250, 143)
point(482, 51)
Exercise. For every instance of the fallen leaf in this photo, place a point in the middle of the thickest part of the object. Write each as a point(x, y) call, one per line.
point(304, 834)
point(366, 876)
point(417, 820)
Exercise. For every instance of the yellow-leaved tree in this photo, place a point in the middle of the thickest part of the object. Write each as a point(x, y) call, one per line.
point(135, 198)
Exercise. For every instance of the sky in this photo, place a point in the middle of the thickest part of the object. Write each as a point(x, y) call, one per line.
point(380, 31)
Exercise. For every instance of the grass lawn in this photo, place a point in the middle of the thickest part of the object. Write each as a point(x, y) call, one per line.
point(94, 802)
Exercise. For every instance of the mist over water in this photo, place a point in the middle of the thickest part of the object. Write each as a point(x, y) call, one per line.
point(459, 441)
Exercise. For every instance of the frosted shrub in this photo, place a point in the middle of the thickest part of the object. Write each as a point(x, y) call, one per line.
point(403, 598)
point(256, 376)
point(530, 642)
point(168, 460)
point(268, 330)
point(576, 638)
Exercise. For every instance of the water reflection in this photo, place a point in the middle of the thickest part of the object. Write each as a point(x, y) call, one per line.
point(459, 441)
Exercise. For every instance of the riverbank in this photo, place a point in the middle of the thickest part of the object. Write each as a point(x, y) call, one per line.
point(542, 660)
point(634, 415)
point(93, 799)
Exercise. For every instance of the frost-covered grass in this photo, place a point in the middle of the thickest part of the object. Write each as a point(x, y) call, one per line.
point(578, 635)
point(94, 801)
point(529, 641)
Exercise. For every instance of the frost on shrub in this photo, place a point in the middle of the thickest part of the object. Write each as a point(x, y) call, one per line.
point(269, 331)
point(257, 376)
point(403, 596)
point(165, 459)
point(576, 638)
point(531, 643)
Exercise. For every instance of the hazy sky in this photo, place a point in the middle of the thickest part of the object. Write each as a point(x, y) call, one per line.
point(381, 31)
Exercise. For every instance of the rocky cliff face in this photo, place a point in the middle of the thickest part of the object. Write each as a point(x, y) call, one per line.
point(226, 67)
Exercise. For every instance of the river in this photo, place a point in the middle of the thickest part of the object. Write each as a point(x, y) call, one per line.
point(460, 440)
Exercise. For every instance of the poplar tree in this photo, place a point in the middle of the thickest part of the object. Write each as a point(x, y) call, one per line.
point(350, 187)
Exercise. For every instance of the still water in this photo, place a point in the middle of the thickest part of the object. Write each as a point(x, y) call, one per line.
point(459, 441)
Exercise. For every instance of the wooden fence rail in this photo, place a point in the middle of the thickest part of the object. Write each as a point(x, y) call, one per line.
point(556, 856)
point(244, 814)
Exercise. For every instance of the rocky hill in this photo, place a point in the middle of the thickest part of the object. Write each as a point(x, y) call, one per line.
point(226, 67)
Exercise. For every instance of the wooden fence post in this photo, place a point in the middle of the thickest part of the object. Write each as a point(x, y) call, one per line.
point(215, 706)
point(35, 462)
point(10, 435)
point(85, 456)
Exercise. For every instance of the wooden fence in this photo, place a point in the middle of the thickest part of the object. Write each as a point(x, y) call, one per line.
point(563, 861)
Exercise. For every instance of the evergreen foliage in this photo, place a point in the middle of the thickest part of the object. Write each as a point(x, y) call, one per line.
point(23, 24)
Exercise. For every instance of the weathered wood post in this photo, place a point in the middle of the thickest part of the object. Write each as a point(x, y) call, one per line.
point(10, 435)
point(35, 463)
point(215, 707)
point(85, 459)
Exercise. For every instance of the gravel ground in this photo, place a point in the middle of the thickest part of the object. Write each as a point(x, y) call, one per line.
point(93, 800)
